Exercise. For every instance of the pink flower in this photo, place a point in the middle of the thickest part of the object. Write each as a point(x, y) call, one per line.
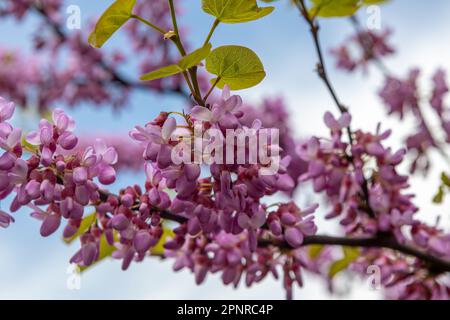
point(224, 112)
point(98, 160)
point(5, 219)
point(6, 110)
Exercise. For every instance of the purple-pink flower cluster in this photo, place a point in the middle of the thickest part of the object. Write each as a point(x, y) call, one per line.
point(402, 97)
point(361, 49)
point(368, 201)
point(83, 73)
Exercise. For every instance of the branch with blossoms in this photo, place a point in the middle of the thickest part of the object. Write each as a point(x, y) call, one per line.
point(400, 96)
point(208, 211)
point(86, 75)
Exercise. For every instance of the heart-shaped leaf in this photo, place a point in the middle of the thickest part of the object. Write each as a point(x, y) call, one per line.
point(235, 11)
point(187, 62)
point(112, 19)
point(236, 66)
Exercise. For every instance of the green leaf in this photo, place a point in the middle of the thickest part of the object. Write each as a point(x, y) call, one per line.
point(86, 223)
point(339, 8)
point(195, 57)
point(158, 249)
point(445, 179)
point(187, 62)
point(439, 197)
point(337, 266)
point(350, 255)
point(111, 21)
point(334, 8)
point(162, 73)
point(315, 250)
point(236, 66)
point(370, 2)
point(235, 11)
point(106, 251)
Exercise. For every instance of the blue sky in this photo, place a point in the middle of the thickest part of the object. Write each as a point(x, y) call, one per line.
point(32, 267)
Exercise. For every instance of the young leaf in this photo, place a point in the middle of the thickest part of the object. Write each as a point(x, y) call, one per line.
point(445, 179)
point(439, 197)
point(350, 255)
point(315, 250)
point(111, 21)
point(236, 66)
point(334, 8)
point(195, 57)
point(336, 267)
point(235, 11)
point(162, 73)
point(189, 61)
point(86, 223)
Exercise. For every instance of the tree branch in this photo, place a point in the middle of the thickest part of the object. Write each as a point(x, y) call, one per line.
point(381, 241)
point(322, 72)
point(367, 46)
point(433, 263)
point(116, 77)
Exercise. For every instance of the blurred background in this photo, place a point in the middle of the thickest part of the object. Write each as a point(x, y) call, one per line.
point(32, 267)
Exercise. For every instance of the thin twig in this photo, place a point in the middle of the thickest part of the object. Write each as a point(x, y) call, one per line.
point(367, 46)
point(322, 72)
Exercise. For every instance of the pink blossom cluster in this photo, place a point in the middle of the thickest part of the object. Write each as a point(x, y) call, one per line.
point(403, 279)
point(83, 74)
point(362, 48)
point(230, 198)
point(273, 113)
point(20, 8)
point(129, 154)
point(374, 202)
point(224, 225)
point(36, 173)
point(213, 216)
point(367, 202)
point(403, 97)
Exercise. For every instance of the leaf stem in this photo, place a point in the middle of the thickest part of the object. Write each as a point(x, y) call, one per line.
point(322, 72)
point(151, 25)
point(212, 88)
point(174, 17)
point(213, 28)
point(388, 241)
point(194, 87)
point(188, 81)
point(176, 39)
